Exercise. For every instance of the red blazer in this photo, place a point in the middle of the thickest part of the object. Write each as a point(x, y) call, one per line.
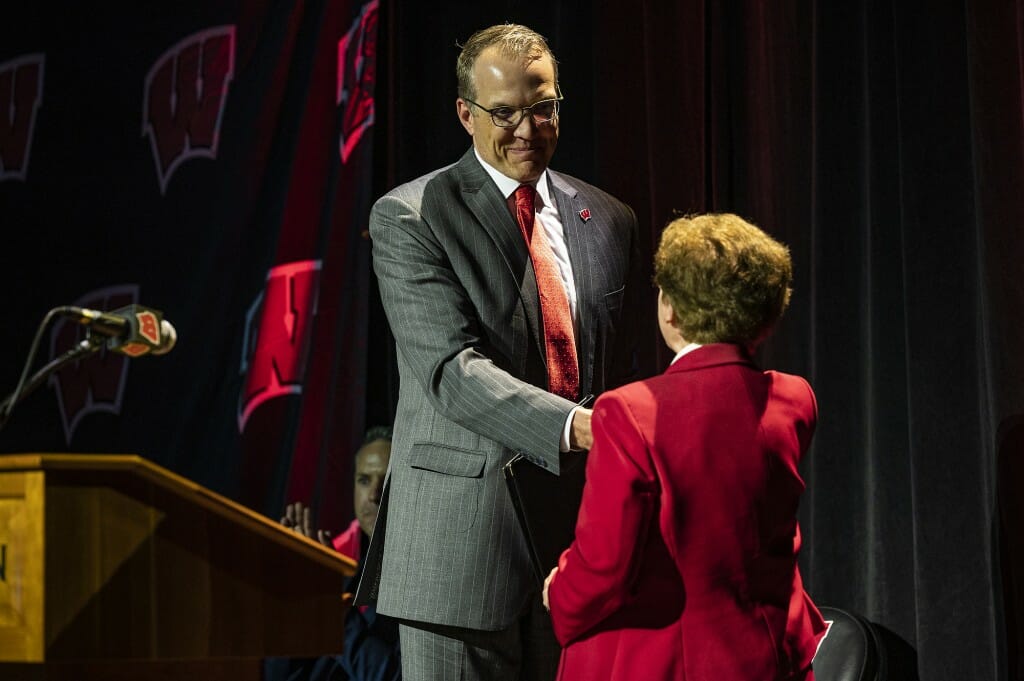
point(685, 559)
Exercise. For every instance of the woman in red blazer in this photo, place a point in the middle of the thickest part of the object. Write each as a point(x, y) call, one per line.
point(684, 564)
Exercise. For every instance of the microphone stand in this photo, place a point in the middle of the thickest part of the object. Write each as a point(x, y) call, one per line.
point(87, 346)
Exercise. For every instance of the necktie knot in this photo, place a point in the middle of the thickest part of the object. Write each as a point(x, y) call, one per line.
point(525, 195)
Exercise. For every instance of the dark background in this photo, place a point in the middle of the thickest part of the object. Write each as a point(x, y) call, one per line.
point(884, 144)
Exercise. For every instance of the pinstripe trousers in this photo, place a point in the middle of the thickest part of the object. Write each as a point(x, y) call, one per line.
point(525, 651)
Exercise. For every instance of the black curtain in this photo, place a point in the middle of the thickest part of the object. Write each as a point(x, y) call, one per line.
point(885, 145)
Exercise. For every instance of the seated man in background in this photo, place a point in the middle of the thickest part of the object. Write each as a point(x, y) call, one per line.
point(371, 650)
point(371, 465)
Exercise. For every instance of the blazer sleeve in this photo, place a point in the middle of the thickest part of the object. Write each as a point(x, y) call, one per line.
point(619, 505)
point(438, 336)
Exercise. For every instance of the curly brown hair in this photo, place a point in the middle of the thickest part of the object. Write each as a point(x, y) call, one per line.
point(514, 40)
point(727, 281)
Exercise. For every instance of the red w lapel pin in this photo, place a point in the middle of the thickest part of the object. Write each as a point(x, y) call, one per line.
point(585, 214)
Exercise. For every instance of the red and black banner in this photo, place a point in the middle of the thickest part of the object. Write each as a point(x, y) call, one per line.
point(214, 165)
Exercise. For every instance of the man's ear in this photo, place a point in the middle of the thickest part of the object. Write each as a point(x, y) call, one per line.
point(465, 114)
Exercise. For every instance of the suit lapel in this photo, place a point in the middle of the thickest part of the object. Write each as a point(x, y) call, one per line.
point(488, 206)
point(568, 201)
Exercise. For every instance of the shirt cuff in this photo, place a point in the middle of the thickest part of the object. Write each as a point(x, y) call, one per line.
point(563, 446)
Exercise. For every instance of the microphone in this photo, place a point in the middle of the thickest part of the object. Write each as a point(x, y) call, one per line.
point(133, 330)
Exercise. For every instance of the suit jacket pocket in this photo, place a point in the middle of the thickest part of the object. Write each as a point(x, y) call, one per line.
point(447, 460)
point(613, 301)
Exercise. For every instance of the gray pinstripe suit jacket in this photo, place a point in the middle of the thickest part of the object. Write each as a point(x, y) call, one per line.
point(459, 292)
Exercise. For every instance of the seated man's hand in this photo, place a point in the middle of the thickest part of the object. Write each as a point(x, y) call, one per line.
point(298, 518)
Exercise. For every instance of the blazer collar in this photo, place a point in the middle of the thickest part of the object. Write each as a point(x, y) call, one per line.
point(714, 354)
point(488, 206)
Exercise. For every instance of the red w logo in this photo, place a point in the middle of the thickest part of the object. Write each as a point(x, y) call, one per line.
point(21, 90)
point(357, 76)
point(186, 92)
point(277, 364)
point(95, 383)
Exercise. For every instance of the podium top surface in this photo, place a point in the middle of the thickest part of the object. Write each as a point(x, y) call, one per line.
point(143, 469)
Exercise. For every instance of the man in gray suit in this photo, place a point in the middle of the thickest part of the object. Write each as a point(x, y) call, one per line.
point(458, 283)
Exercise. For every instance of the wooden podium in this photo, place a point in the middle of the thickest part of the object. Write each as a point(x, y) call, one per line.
point(112, 567)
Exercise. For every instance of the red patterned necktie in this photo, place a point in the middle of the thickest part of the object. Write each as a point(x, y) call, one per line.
point(559, 343)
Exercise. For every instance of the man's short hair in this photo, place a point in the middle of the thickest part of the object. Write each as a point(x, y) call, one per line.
point(372, 434)
point(514, 40)
point(727, 280)
point(377, 433)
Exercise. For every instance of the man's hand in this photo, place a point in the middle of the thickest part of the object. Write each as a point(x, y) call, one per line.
point(298, 518)
point(580, 435)
point(547, 583)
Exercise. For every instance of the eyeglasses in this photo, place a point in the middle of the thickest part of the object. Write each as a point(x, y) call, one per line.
point(510, 116)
